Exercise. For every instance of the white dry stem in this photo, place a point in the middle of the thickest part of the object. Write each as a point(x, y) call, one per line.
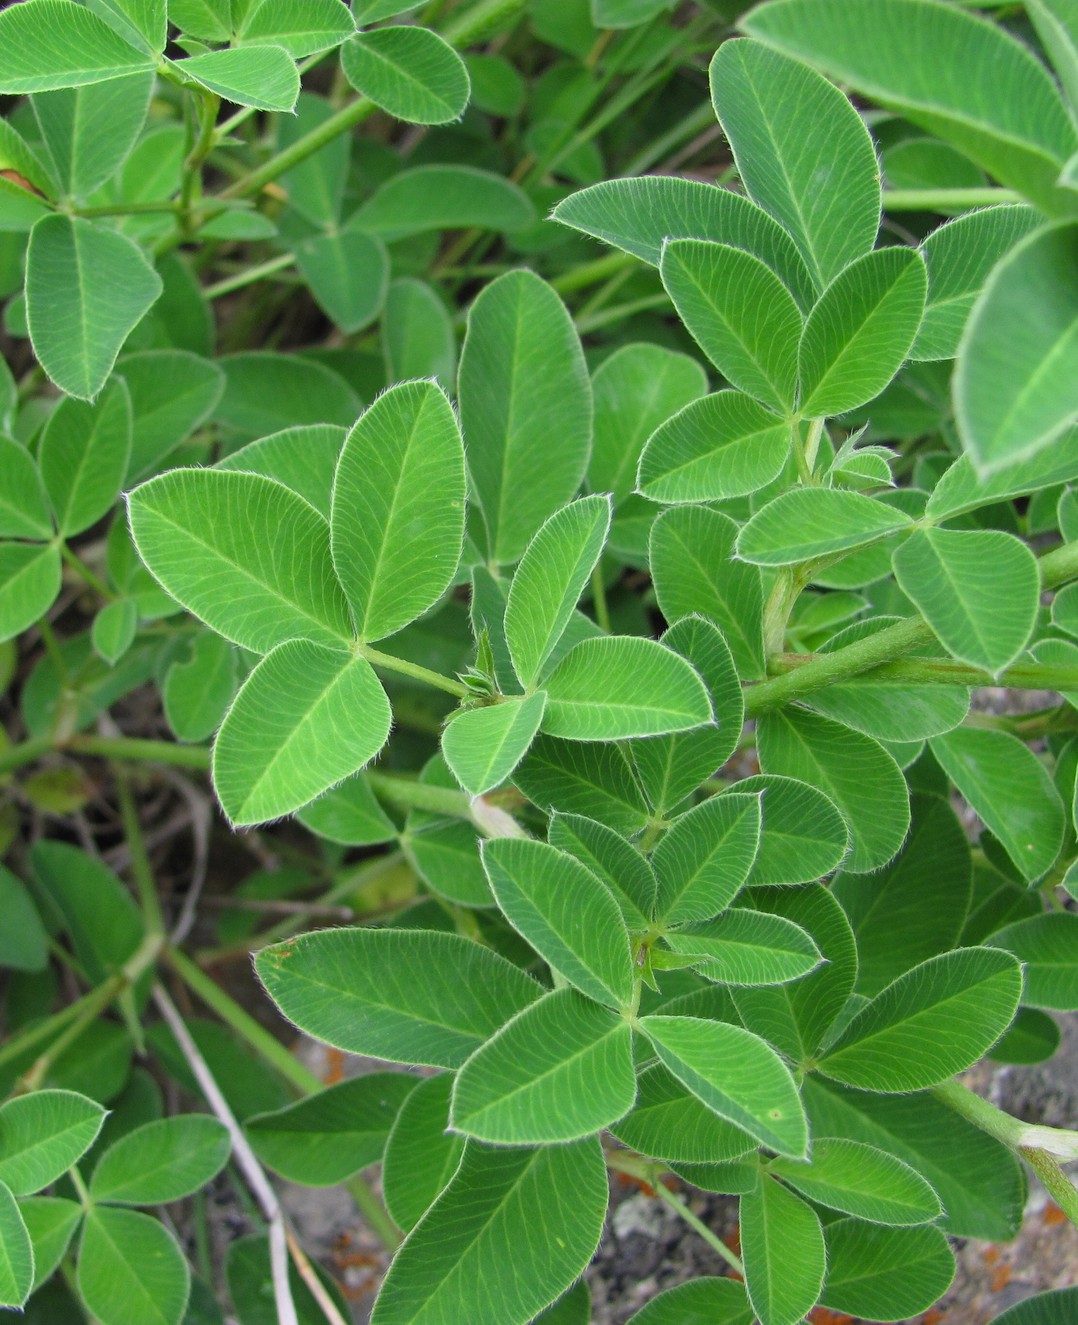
point(252, 1171)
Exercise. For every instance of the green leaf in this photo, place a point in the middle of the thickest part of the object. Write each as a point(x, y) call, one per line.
point(672, 767)
point(782, 1248)
point(805, 523)
point(197, 693)
point(250, 1279)
point(1057, 26)
point(243, 553)
point(556, 566)
point(874, 1271)
point(736, 1074)
point(514, 1227)
point(979, 590)
point(617, 863)
point(858, 335)
point(561, 1069)
point(669, 1123)
point(693, 569)
point(315, 186)
point(639, 215)
point(302, 27)
point(51, 1222)
point(323, 1139)
point(406, 996)
point(1053, 1308)
point(961, 489)
point(303, 459)
point(744, 947)
point(612, 687)
point(1046, 947)
point(172, 393)
point(861, 1180)
point(1033, 1037)
point(575, 777)
point(739, 313)
point(23, 511)
point(856, 773)
point(128, 1264)
point(347, 272)
point(42, 1135)
point(960, 256)
point(114, 627)
point(417, 334)
point(305, 718)
point(1013, 386)
point(263, 77)
point(1002, 108)
point(30, 576)
point(722, 445)
point(266, 392)
point(1010, 790)
point(802, 151)
point(90, 131)
point(525, 406)
point(410, 72)
point(952, 1008)
point(349, 814)
point(698, 1302)
point(895, 926)
point(705, 857)
point(421, 1154)
point(86, 288)
point(636, 389)
point(23, 940)
point(143, 23)
point(438, 197)
point(802, 835)
point(162, 1161)
point(92, 904)
point(483, 746)
point(397, 522)
point(566, 913)
point(978, 1180)
point(796, 1017)
point(54, 44)
point(83, 457)
point(16, 1253)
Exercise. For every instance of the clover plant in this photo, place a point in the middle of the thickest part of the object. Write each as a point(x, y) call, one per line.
point(572, 532)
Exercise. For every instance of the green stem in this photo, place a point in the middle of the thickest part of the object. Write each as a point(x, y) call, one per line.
point(140, 861)
point(1040, 1147)
point(1055, 1182)
point(826, 669)
point(249, 277)
point(260, 1039)
point(108, 747)
point(1058, 566)
point(414, 670)
point(621, 311)
point(933, 200)
point(650, 1172)
point(591, 273)
point(72, 1021)
point(81, 1190)
point(85, 573)
point(191, 184)
point(409, 795)
point(946, 671)
point(697, 121)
